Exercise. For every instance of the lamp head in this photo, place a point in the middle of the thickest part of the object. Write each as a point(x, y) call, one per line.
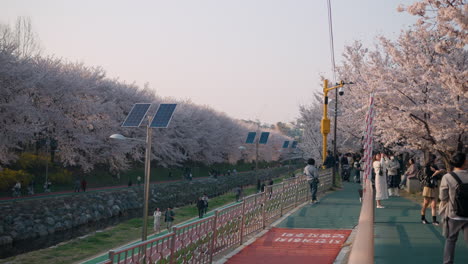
point(341, 91)
point(117, 136)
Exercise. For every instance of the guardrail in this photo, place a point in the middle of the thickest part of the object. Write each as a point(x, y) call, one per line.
point(362, 251)
point(200, 241)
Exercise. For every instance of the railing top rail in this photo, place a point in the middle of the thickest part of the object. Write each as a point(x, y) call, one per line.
point(141, 243)
point(363, 245)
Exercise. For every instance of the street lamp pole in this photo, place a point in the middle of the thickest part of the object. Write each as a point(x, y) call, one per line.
point(325, 123)
point(334, 136)
point(144, 234)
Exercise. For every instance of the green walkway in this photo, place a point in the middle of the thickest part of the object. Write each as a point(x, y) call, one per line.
point(399, 235)
point(337, 210)
point(401, 238)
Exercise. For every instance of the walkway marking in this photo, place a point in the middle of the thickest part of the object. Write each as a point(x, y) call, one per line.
point(285, 245)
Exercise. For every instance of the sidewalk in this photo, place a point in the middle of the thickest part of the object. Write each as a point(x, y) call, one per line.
point(401, 238)
point(313, 234)
point(399, 235)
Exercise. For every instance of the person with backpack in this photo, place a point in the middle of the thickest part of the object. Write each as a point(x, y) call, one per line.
point(454, 205)
point(311, 172)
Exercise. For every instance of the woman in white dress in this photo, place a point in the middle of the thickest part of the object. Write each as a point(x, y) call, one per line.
point(380, 169)
point(157, 220)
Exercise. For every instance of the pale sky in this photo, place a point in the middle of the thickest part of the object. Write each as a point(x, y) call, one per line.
point(252, 59)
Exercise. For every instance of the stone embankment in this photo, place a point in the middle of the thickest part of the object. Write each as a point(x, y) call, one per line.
point(39, 218)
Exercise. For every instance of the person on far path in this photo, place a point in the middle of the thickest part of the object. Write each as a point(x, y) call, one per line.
point(47, 185)
point(329, 160)
point(262, 187)
point(200, 207)
point(393, 179)
point(157, 220)
point(205, 201)
point(77, 185)
point(139, 180)
point(311, 172)
point(17, 189)
point(169, 218)
point(238, 192)
point(453, 187)
point(31, 188)
point(380, 169)
point(83, 185)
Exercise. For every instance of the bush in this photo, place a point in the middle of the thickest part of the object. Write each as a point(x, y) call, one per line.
point(61, 176)
point(30, 161)
point(8, 178)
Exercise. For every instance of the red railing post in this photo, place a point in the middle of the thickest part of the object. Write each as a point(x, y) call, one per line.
point(213, 239)
point(172, 258)
point(111, 256)
point(242, 222)
point(282, 199)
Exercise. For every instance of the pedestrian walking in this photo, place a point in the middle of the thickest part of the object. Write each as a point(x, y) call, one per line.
point(17, 189)
point(311, 172)
point(200, 207)
point(169, 217)
point(380, 169)
point(77, 185)
point(84, 184)
point(393, 180)
point(432, 175)
point(157, 220)
point(454, 205)
point(430, 180)
point(139, 180)
point(238, 192)
point(47, 186)
point(205, 201)
point(31, 188)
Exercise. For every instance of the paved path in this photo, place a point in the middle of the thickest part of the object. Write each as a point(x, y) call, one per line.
point(399, 235)
point(401, 238)
point(337, 210)
point(313, 234)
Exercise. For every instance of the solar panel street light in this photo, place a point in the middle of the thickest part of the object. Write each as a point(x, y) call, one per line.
point(294, 144)
point(136, 115)
point(264, 137)
point(163, 116)
point(250, 137)
point(160, 120)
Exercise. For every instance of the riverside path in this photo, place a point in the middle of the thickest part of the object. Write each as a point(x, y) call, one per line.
point(315, 233)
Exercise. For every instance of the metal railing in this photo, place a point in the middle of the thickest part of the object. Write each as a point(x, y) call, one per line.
point(362, 251)
point(200, 241)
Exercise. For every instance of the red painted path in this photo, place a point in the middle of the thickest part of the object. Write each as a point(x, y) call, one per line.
point(293, 246)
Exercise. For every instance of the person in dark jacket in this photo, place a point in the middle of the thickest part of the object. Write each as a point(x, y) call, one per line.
point(200, 207)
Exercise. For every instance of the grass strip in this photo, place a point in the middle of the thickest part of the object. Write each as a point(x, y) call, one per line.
point(80, 249)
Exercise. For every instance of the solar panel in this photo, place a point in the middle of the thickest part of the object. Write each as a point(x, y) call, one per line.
point(286, 144)
point(264, 137)
point(251, 137)
point(136, 115)
point(163, 116)
point(294, 144)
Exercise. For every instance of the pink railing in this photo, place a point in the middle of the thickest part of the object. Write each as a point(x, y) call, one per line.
point(200, 241)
